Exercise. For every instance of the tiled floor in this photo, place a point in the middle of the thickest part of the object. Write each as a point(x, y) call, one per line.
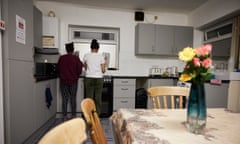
point(105, 123)
point(107, 130)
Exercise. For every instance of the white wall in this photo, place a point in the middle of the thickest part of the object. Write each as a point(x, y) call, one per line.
point(213, 10)
point(129, 64)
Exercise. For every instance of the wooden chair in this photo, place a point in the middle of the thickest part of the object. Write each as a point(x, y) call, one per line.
point(94, 125)
point(159, 93)
point(69, 132)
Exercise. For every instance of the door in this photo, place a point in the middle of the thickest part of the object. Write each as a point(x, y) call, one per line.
point(1, 87)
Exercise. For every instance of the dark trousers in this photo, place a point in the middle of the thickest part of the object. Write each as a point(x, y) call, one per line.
point(69, 91)
point(94, 88)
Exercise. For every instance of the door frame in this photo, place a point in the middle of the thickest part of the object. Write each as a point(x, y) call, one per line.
point(1, 86)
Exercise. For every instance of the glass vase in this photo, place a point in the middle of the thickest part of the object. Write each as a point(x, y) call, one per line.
point(196, 109)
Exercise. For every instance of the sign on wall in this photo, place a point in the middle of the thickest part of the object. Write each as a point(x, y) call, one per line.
point(20, 30)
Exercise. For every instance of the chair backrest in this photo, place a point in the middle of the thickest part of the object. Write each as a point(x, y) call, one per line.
point(160, 93)
point(69, 132)
point(94, 125)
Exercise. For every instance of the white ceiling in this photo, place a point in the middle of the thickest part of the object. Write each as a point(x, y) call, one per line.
point(176, 6)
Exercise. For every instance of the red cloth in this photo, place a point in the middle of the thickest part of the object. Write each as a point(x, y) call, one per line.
point(69, 68)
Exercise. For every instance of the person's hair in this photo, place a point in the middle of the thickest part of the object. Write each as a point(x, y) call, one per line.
point(94, 44)
point(69, 47)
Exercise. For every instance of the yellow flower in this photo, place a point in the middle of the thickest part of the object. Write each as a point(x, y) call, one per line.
point(186, 54)
point(185, 77)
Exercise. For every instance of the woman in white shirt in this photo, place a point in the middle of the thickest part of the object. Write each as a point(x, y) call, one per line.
point(94, 64)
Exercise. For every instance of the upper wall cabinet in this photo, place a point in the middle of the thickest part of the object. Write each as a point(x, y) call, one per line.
point(162, 39)
point(50, 32)
point(183, 37)
point(221, 49)
point(145, 39)
point(37, 27)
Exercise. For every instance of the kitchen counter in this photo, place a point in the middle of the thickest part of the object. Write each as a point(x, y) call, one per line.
point(152, 77)
point(225, 77)
point(44, 78)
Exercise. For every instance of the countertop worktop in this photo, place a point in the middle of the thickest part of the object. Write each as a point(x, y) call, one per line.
point(152, 77)
point(224, 77)
point(42, 78)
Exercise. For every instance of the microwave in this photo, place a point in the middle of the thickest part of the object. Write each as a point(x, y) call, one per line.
point(45, 69)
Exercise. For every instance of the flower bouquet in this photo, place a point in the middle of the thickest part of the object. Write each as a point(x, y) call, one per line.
point(198, 63)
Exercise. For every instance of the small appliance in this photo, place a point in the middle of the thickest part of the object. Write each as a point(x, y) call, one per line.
point(45, 69)
point(155, 71)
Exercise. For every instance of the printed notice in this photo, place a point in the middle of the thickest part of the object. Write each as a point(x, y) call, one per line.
point(20, 30)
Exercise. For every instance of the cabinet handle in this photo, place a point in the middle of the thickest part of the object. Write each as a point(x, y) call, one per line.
point(124, 101)
point(124, 81)
point(124, 88)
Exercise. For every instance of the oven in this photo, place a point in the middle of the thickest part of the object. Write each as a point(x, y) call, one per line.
point(45, 69)
point(107, 97)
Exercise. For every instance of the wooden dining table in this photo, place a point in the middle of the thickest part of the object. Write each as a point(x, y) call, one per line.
point(167, 126)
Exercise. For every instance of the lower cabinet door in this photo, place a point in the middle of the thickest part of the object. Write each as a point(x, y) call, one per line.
point(123, 103)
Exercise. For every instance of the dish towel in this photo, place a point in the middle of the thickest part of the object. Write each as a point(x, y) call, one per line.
point(48, 96)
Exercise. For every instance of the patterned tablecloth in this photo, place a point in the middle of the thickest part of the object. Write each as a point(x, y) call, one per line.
point(159, 126)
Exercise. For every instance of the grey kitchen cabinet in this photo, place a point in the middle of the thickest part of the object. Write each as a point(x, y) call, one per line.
point(42, 112)
point(20, 112)
point(162, 40)
point(183, 37)
point(124, 93)
point(216, 95)
point(80, 96)
point(158, 82)
point(21, 48)
point(153, 39)
point(37, 27)
point(145, 39)
point(221, 48)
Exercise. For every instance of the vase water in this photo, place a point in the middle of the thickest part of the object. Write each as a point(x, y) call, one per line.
point(196, 109)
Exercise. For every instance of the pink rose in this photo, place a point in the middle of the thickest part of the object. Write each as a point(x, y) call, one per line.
point(196, 62)
point(204, 49)
point(207, 63)
point(208, 47)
